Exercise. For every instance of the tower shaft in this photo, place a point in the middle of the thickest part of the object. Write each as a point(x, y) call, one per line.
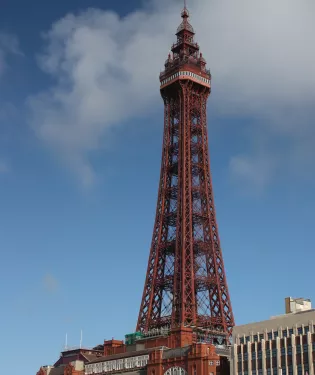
point(186, 283)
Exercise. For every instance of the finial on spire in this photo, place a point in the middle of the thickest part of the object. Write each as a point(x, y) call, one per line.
point(185, 13)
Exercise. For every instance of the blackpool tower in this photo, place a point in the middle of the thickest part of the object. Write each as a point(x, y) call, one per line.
point(185, 284)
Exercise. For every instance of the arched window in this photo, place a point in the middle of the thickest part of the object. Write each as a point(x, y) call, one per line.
point(176, 371)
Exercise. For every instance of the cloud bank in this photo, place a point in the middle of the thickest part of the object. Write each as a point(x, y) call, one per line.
point(106, 71)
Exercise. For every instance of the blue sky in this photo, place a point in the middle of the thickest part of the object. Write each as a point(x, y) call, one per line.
point(80, 147)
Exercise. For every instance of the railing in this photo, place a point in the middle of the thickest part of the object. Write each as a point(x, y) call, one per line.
point(177, 64)
point(163, 331)
point(196, 45)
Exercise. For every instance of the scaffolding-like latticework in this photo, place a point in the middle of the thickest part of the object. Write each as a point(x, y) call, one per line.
point(185, 282)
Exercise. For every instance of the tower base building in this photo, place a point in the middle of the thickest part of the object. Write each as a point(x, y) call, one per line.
point(156, 353)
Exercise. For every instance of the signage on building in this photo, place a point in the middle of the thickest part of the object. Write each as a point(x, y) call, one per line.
point(116, 365)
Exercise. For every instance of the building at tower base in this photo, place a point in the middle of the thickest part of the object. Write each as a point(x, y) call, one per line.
point(171, 353)
point(282, 345)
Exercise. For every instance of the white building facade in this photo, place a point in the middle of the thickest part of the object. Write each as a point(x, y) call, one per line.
point(282, 345)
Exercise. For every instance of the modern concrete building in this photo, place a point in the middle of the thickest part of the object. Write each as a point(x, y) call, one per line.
point(282, 345)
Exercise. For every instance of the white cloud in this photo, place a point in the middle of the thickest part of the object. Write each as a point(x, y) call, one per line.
point(254, 172)
point(106, 69)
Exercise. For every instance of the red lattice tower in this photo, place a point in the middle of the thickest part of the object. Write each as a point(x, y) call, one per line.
point(186, 283)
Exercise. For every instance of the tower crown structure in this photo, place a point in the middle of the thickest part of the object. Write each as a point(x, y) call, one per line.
point(185, 62)
point(185, 283)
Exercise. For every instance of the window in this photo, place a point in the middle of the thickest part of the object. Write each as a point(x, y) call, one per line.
point(298, 348)
point(299, 369)
point(239, 358)
point(259, 354)
point(284, 371)
point(275, 334)
point(256, 338)
point(261, 336)
point(305, 360)
point(290, 369)
point(306, 329)
point(275, 371)
point(282, 351)
point(291, 331)
point(245, 356)
point(254, 372)
point(313, 346)
point(269, 335)
point(211, 362)
point(218, 362)
point(260, 372)
point(284, 333)
point(268, 371)
point(274, 352)
point(253, 355)
point(242, 340)
point(289, 349)
point(300, 331)
point(305, 347)
point(268, 353)
point(247, 338)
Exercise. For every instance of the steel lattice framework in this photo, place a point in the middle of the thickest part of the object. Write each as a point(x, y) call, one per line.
point(185, 283)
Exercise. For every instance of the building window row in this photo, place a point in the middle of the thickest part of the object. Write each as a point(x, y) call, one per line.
point(275, 334)
point(273, 353)
point(275, 371)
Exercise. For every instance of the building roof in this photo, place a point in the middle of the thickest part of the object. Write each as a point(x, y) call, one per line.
point(125, 355)
point(283, 321)
point(91, 357)
point(57, 370)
